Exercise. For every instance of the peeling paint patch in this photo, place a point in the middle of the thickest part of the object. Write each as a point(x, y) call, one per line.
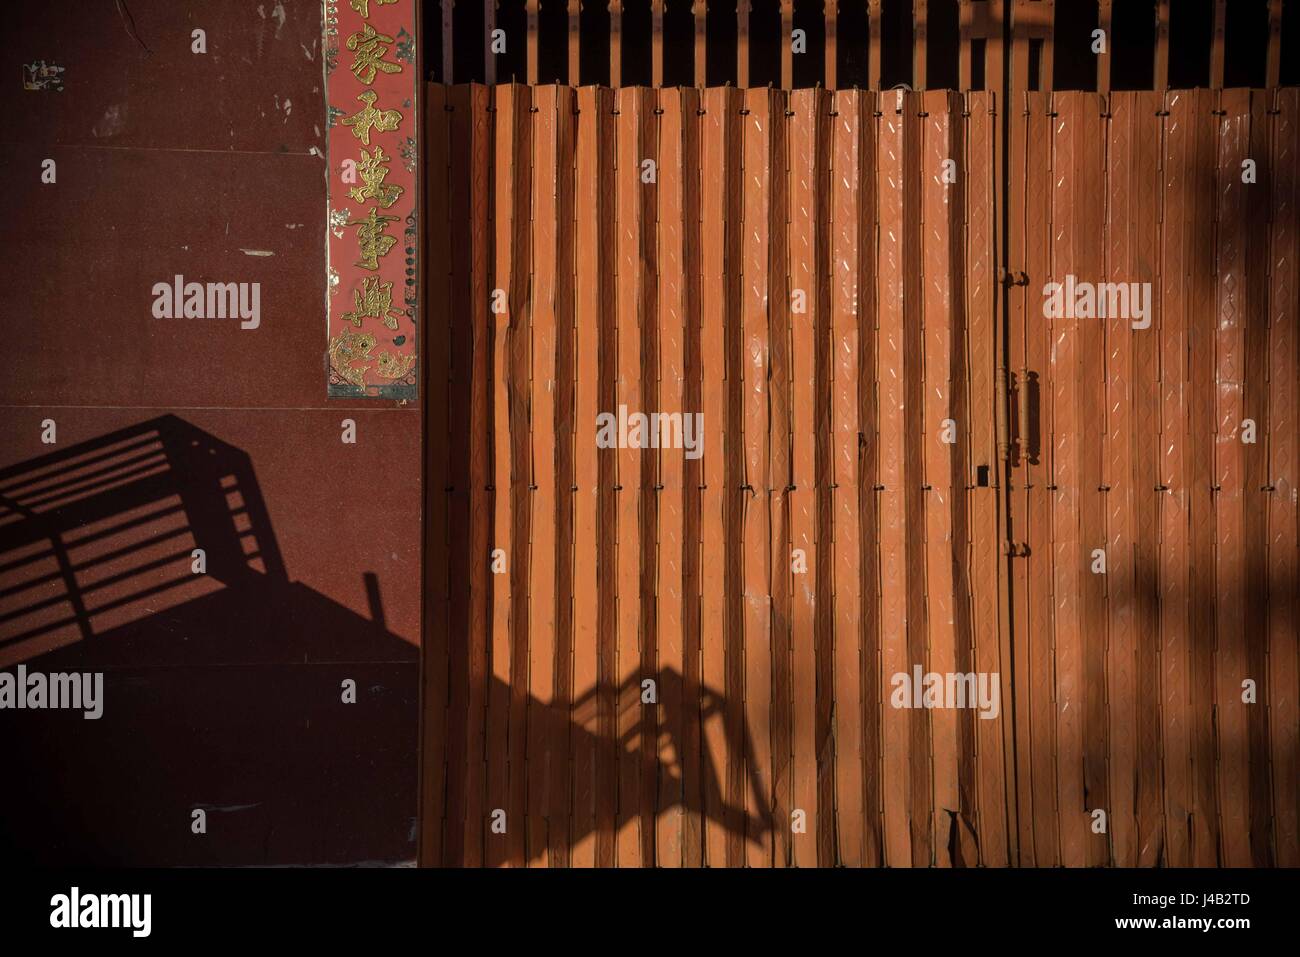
point(277, 14)
point(256, 252)
point(111, 123)
point(261, 12)
point(43, 77)
point(405, 48)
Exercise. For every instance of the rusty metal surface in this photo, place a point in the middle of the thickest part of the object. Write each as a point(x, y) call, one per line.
point(799, 268)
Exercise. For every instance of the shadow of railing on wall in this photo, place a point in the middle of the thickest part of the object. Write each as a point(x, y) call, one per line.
point(148, 554)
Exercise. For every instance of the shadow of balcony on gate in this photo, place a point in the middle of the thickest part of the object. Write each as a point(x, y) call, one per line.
point(615, 771)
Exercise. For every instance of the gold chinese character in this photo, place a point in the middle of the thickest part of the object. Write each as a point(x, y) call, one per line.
point(374, 173)
point(371, 238)
point(373, 300)
point(369, 48)
point(368, 118)
point(363, 6)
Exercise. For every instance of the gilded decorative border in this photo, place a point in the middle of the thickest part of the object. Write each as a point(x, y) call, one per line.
point(372, 135)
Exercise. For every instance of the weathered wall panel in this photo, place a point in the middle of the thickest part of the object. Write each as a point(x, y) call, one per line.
point(222, 692)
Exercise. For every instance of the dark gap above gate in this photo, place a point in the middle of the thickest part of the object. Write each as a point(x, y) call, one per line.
point(871, 44)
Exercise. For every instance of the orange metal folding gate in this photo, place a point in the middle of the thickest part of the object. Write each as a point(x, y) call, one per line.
point(1164, 689)
point(634, 656)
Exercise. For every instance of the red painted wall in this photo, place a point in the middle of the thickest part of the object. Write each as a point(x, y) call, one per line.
point(221, 693)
